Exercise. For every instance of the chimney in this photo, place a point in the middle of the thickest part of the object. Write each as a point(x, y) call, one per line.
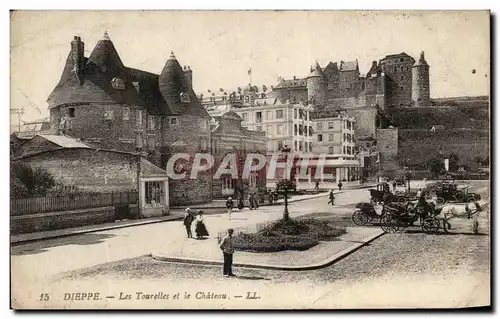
point(77, 55)
point(189, 76)
point(374, 64)
point(294, 77)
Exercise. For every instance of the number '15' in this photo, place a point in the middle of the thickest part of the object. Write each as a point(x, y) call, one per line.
point(44, 297)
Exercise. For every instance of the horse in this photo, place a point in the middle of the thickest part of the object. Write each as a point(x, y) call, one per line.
point(462, 210)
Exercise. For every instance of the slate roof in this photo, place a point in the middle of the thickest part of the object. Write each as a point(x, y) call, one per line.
point(292, 83)
point(159, 94)
point(348, 65)
point(63, 141)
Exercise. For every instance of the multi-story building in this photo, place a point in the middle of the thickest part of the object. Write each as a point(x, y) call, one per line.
point(108, 105)
point(334, 139)
point(230, 137)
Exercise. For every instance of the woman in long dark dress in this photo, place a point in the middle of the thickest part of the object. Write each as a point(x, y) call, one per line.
point(200, 228)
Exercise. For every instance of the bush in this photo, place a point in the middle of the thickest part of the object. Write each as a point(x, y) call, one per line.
point(260, 243)
point(29, 182)
point(299, 234)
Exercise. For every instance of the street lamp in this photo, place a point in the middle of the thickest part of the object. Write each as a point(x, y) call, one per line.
point(408, 175)
point(285, 184)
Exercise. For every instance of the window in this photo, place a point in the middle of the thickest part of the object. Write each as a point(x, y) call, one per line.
point(151, 123)
point(295, 146)
point(279, 114)
point(280, 145)
point(138, 119)
point(402, 89)
point(258, 117)
point(301, 145)
point(71, 112)
point(203, 124)
point(174, 121)
point(108, 114)
point(151, 143)
point(294, 113)
point(345, 150)
point(330, 137)
point(153, 192)
point(252, 182)
point(247, 99)
point(269, 129)
point(330, 125)
point(203, 144)
point(320, 137)
point(269, 115)
point(336, 150)
point(118, 84)
point(126, 114)
point(138, 141)
point(244, 116)
point(295, 130)
point(185, 98)
point(330, 150)
point(319, 126)
point(280, 129)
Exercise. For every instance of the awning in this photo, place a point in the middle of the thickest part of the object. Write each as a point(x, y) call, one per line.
point(330, 163)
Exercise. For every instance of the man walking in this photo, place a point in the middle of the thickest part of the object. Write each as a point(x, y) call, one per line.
point(229, 206)
point(332, 197)
point(188, 220)
point(227, 247)
point(340, 186)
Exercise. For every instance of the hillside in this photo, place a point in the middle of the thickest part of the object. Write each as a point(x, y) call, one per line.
point(459, 116)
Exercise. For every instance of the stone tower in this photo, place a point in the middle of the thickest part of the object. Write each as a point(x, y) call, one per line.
point(420, 92)
point(316, 87)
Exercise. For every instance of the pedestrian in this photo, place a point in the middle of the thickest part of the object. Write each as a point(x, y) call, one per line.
point(394, 184)
point(229, 206)
point(241, 204)
point(419, 193)
point(270, 196)
point(227, 247)
point(200, 228)
point(251, 203)
point(188, 220)
point(332, 197)
point(340, 186)
point(317, 186)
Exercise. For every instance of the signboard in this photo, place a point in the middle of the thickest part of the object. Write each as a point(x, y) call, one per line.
point(447, 164)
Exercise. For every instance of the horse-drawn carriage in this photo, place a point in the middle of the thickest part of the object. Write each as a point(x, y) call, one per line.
point(397, 216)
point(384, 194)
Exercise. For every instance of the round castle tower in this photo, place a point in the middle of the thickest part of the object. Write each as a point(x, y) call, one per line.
point(316, 88)
point(420, 92)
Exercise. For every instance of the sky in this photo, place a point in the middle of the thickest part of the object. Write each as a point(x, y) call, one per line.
point(221, 46)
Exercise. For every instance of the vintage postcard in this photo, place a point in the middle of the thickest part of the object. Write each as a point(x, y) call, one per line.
point(250, 159)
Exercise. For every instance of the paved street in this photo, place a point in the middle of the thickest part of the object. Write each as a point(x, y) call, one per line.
point(74, 252)
point(432, 270)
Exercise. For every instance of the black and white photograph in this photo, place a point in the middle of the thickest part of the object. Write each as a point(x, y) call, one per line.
point(239, 159)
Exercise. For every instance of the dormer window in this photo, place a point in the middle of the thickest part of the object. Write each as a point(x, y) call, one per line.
point(185, 98)
point(118, 84)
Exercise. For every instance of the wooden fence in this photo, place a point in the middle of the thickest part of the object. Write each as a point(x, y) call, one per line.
point(36, 205)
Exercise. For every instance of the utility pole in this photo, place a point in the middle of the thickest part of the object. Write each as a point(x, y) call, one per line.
point(19, 113)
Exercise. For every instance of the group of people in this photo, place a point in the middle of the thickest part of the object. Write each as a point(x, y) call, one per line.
point(226, 244)
point(200, 228)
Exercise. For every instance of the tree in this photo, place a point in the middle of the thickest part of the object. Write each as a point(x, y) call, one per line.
point(29, 182)
point(436, 166)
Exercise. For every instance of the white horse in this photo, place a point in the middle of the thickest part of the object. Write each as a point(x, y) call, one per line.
point(460, 210)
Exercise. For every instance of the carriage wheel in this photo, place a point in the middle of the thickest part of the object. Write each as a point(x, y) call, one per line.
point(388, 224)
point(440, 201)
point(401, 199)
point(359, 218)
point(471, 200)
point(430, 225)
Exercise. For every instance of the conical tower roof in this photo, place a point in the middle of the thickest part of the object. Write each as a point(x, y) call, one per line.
point(421, 61)
point(105, 79)
point(316, 71)
point(173, 84)
point(105, 56)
